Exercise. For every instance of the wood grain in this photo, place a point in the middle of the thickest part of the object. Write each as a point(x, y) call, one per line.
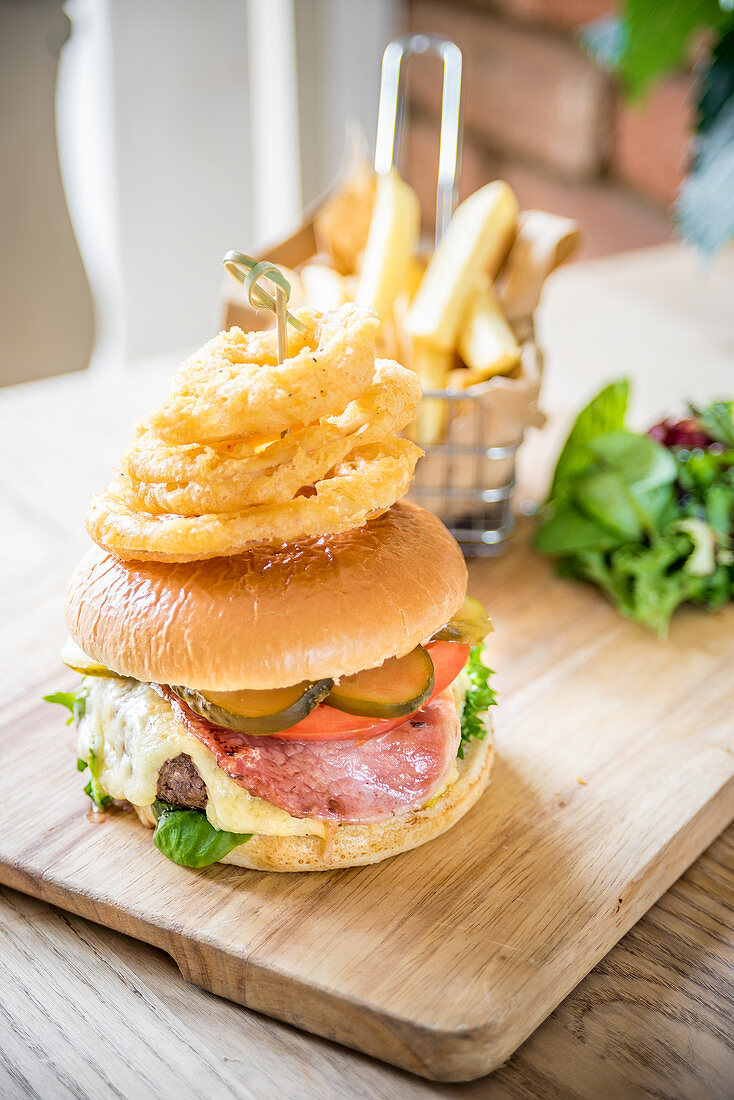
point(140, 1026)
point(614, 771)
point(653, 1017)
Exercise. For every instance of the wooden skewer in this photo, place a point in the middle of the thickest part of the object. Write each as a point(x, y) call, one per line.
point(281, 321)
point(259, 298)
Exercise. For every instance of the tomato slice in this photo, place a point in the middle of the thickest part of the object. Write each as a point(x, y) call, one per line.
point(326, 723)
point(448, 660)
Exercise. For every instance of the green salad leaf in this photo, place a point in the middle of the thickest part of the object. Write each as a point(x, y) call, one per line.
point(605, 413)
point(74, 701)
point(651, 525)
point(648, 582)
point(186, 836)
point(718, 420)
point(93, 789)
point(479, 698)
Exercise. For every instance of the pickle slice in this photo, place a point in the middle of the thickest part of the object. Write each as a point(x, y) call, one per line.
point(256, 712)
point(76, 659)
point(470, 625)
point(401, 685)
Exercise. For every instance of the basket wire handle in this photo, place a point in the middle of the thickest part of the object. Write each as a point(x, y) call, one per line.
point(259, 298)
point(391, 115)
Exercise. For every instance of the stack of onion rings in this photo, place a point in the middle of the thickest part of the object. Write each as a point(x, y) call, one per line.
point(246, 450)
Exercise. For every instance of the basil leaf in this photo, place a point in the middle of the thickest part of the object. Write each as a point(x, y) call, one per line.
point(604, 413)
point(188, 838)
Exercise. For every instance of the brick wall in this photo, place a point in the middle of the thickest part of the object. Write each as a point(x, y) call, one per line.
point(539, 113)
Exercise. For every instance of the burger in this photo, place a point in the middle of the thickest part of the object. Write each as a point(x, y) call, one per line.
point(301, 704)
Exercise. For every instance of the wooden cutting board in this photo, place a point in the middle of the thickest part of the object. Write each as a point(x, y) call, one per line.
point(614, 771)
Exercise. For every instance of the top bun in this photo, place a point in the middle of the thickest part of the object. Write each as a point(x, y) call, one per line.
point(274, 615)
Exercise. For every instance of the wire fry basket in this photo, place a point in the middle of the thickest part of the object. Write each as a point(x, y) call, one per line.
point(467, 474)
point(470, 436)
point(478, 508)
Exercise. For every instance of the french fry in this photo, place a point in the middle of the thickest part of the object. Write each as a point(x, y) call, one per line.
point(434, 366)
point(323, 287)
point(477, 241)
point(391, 244)
point(487, 344)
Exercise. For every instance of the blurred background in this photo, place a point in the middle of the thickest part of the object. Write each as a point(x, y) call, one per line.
point(176, 129)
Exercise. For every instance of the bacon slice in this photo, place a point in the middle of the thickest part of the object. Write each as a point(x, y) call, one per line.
point(349, 781)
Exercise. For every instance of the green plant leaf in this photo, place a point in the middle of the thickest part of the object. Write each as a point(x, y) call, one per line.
point(704, 209)
point(657, 36)
point(188, 838)
point(717, 82)
point(479, 698)
point(604, 413)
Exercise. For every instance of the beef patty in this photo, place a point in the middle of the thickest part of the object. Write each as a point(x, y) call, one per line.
point(180, 784)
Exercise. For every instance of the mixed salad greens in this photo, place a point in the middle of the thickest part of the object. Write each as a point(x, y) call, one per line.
point(647, 517)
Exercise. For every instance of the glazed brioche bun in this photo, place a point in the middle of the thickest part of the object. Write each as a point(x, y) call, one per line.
point(275, 615)
point(358, 845)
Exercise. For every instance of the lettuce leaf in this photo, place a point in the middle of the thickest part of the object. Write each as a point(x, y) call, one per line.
point(93, 789)
point(479, 698)
point(188, 838)
point(604, 413)
point(74, 701)
point(648, 582)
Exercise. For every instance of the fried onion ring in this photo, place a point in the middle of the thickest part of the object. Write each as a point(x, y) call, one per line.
point(191, 480)
point(366, 483)
point(234, 386)
point(247, 451)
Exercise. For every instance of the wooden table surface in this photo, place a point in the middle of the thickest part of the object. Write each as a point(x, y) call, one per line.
point(86, 1012)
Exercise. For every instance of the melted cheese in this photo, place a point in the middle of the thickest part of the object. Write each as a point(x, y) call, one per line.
point(133, 731)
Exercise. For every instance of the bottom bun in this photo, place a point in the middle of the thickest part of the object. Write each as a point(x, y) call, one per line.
point(359, 845)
